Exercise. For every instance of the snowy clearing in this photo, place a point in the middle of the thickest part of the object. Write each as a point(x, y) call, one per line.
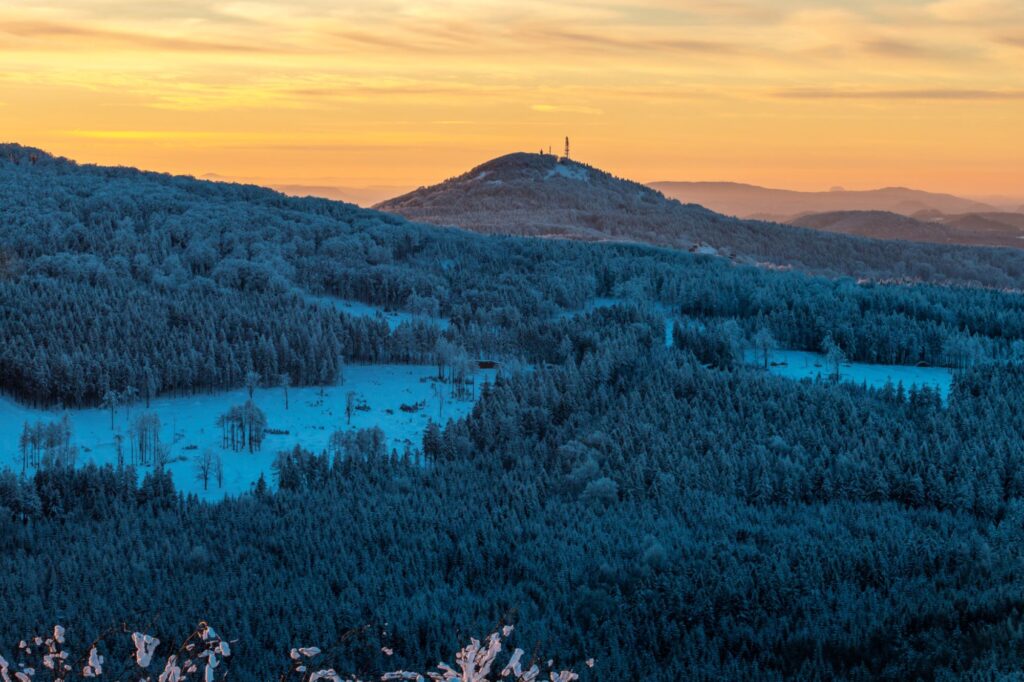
point(797, 364)
point(189, 423)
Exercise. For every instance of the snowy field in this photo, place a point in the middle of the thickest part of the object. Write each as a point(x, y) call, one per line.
point(190, 423)
point(796, 364)
point(359, 309)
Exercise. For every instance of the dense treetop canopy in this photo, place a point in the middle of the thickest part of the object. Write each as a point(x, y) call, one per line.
point(671, 510)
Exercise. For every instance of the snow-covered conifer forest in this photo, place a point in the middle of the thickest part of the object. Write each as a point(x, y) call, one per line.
point(512, 439)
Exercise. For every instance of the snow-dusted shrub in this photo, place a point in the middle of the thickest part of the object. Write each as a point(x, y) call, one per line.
point(36, 655)
point(204, 655)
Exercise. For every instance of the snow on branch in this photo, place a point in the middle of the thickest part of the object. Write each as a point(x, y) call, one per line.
point(204, 656)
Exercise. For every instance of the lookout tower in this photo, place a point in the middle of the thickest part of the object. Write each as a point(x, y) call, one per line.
point(567, 147)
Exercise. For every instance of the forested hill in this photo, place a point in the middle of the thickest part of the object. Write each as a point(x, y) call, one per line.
point(112, 278)
point(669, 509)
point(979, 229)
point(116, 279)
point(543, 195)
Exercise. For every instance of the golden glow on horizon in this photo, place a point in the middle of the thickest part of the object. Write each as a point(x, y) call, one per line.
point(786, 93)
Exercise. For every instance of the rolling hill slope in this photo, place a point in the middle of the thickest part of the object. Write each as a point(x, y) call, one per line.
point(973, 229)
point(544, 196)
point(621, 466)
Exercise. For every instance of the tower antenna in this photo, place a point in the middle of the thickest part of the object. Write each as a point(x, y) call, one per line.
point(566, 146)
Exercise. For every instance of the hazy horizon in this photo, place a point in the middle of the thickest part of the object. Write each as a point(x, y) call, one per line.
point(923, 93)
point(370, 194)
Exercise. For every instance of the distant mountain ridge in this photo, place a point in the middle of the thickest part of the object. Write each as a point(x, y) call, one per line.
point(542, 195)
point(751, 201)
point(888, 213)
point(974, 229)
point(360, 196)
point(875, 224)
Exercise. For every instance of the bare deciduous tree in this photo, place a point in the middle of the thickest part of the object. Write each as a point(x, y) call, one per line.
point(128, 396)
point(162, 455)
point(439, 393)
point(764, 344)
point(111, 399)
point(145, 438)
point(834, 357)
point(350, 406)
point(119, 449)
point(286, 381)
point(204, 467)
point(252, 380)
point(243, 426)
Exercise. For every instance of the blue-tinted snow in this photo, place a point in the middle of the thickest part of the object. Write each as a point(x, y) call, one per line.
point(795, 364)
point(310, 420)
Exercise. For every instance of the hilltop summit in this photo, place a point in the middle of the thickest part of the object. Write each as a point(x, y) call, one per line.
point(542, 195)
point(535, 195)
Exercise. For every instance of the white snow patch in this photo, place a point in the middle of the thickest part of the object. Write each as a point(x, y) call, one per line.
point(570, 172)
point(144, 648)
point(796, 364)
point(94, 666)
point(189, 423)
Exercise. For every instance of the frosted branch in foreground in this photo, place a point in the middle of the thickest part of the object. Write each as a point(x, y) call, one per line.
point(94, 667)
point(204, 650)
point(144, 648)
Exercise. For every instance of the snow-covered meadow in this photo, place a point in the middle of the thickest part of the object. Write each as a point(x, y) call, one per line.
point(796, 364)
point(189, 423)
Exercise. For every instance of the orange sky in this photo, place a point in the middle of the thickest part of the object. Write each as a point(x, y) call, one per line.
point(790, 93)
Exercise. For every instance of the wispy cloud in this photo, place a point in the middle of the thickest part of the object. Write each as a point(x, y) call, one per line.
point(60, 36)
point(565, 109)
point(1012, 41)
point(649, 44)
point(392, 43)
point(898, 94)
point(977, 11)
point(361, 90)
point(697, 12)
point(148, 135)
point(523, 38)
point(191, 11)
point(714, 81)
point(904, 49)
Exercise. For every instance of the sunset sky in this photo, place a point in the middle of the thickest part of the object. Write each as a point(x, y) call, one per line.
point(788, 93)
